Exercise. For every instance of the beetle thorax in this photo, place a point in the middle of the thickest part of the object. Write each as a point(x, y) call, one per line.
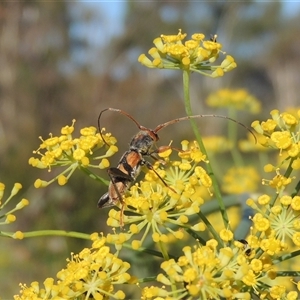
point(143, 141)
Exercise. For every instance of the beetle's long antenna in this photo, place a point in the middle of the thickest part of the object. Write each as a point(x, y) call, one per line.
point(121, 112)
point(161, 126)
point(99, 127)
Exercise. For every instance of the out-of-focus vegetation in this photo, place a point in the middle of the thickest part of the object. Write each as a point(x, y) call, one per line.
point(58, 62)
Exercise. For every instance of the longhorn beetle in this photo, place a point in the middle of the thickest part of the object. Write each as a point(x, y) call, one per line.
point(129, 166)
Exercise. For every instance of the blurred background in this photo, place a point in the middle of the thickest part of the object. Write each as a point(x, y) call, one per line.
point(62, 60)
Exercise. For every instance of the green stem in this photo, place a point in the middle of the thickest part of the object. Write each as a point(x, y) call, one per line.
point(38, 233)
point(147, 279)
point(297, 188)
point(217, 170)
point(229, 201)
point(94, 176)
point(80, 235)
point(188, 109)
point(210, 227)
point(287, 274)
point(196, 236)
point(147, 250)
point(286, 257)
point(164, 251)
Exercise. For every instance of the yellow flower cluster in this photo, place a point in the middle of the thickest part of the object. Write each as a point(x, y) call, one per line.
point(278, 223)
point(209, 272)
point(155, 207)
point(72, 153)
point(197, 55)
point(9, 217)
point(282, 133)
point(238, 99)
point(91, 274)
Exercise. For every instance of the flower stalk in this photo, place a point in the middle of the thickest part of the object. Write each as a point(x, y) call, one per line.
point(188, 109)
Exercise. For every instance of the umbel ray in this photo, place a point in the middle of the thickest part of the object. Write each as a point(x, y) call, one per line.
point(141, 145)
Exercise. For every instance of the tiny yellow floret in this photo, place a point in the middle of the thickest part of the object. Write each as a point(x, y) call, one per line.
point(22, 203)
point(62, 179)
point(16, 188)
point(104, 163)
point(10, 218)
point(226, 235)
point(40, 183)
point(136, 244)
point(18, 235)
